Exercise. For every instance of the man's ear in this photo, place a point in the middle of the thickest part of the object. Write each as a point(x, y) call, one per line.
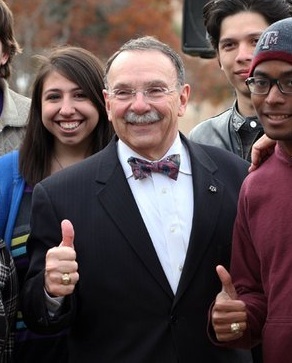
point(218, 59)
point(107, 104)
point(184, 98)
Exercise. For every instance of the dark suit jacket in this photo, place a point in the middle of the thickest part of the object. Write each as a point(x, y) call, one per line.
point(123, 309)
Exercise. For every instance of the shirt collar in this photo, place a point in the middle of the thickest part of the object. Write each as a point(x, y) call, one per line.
point(124, 152)
point(239, 121)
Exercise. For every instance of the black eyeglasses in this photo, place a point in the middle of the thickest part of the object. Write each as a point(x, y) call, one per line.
point(262, 86)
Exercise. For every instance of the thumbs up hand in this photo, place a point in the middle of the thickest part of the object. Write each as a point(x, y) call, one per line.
point(67, 234)
point(61, 270)
point(229, 315)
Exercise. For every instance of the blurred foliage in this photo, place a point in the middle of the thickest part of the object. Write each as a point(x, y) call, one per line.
point(207, 80)
point(102, 26)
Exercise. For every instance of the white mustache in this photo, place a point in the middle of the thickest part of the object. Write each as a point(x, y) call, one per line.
point(152, 116)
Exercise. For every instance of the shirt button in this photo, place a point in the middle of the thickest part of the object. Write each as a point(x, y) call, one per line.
point(163, 190)
point(172, 229)
point(253, 124)
point(180, 267)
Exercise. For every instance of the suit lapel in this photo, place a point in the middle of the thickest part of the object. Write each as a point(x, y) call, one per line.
point(121, 207)
point(208, 191)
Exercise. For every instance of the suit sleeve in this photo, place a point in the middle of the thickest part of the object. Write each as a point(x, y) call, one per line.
point(45, 234)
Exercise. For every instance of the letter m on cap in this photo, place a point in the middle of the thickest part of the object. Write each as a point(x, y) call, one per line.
point(269, 39)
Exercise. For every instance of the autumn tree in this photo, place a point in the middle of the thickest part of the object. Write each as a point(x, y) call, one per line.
point(102, 26)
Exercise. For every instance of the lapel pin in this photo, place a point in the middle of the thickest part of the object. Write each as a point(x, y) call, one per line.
point(212, 189)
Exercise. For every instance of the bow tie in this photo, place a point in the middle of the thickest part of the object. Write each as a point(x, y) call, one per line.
point(143, 168)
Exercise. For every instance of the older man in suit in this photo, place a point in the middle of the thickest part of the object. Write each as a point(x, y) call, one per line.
point(123, 250)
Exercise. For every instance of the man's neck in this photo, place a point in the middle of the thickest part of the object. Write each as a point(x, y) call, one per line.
point(244, 106)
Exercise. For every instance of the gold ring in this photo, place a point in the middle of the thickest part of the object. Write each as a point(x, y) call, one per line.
point(66, 279)
point(235, 328)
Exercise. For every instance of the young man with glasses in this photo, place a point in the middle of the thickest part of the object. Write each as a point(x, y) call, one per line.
point(256, 303)
point(148, 233)
point(234, 28)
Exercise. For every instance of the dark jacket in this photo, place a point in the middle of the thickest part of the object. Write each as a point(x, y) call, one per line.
point(123, 309)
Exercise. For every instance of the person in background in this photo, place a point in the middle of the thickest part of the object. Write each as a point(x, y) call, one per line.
point(255, 304)
point(234, 28)
point(134, 275)
point(14, 107)
point(8, 303)
point(67, 123)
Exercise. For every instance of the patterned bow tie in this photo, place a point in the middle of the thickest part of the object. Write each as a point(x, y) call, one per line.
point(168, 166)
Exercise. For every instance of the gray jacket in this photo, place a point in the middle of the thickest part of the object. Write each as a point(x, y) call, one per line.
point(230, 131)
point(13, 118)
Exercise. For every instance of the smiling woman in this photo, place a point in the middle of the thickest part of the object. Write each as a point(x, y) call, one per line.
point(70, 116)
point(67, 123)
point(67, 117)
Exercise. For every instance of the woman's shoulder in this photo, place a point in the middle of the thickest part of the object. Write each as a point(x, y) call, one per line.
point(9, 159)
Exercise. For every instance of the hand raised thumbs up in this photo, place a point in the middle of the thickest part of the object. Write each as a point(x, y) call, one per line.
point(228, 290)
point(228, 313)
point(67, 234)
point(61, 267)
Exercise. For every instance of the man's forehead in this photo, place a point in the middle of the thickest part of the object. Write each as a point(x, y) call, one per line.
point(235, 36)
point(274, 66)
point(147, 64)
point(144, 56)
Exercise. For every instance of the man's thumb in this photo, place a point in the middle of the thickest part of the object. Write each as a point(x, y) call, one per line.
point(227, 285)
point(67, 233)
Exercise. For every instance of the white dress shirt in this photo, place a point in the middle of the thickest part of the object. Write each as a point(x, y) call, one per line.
point(166, 206)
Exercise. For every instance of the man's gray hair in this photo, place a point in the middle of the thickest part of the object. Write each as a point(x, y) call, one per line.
point(149, 43)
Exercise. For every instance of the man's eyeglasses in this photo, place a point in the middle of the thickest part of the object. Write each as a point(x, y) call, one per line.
point(151, 94)
point(262, 86)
